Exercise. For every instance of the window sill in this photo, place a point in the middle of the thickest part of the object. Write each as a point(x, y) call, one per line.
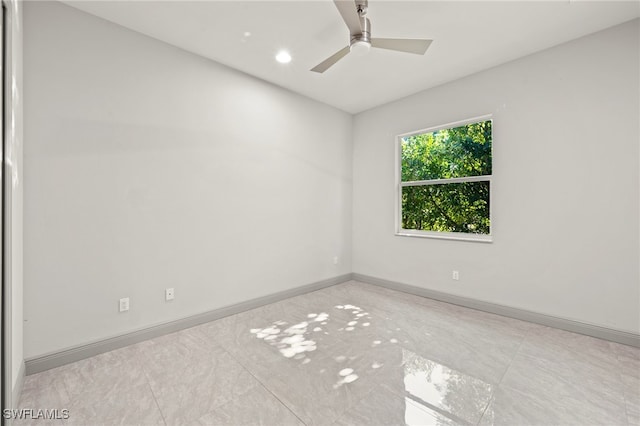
point(446, 236)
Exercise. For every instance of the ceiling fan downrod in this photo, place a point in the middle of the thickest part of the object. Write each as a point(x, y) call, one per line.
point(360, 43)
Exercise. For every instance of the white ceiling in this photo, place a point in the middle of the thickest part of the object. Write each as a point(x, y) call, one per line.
point(468, 37)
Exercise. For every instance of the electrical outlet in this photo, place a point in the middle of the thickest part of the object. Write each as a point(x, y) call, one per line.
point(335, 260)
point(124, 304)
point(456, 275)
point(168, 294)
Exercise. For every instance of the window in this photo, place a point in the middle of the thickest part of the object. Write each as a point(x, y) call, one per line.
point(444, 181)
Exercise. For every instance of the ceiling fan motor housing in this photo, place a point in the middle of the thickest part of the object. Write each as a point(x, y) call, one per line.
point(363, 37)
point(360, 42)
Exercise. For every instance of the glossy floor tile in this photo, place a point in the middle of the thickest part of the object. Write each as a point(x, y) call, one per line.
point(351, 354)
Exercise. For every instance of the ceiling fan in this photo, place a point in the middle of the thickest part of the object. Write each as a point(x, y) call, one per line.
point(353, 13)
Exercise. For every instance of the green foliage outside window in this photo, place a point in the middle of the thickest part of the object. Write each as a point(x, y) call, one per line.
point(459, 152)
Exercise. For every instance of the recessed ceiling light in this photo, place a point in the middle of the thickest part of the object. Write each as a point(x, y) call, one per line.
point(283, 57)
point(247, 34)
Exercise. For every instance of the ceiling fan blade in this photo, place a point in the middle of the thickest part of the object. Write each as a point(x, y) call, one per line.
point(409, 45)
point(327, 63)
point(349, 13)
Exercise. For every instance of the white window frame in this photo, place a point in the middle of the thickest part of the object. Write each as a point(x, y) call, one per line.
point(462, 236)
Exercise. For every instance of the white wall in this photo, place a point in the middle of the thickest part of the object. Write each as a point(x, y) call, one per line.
point(148, 167)
point(565, 189)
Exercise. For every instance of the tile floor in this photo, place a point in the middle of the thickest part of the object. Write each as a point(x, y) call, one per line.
point(351, 354)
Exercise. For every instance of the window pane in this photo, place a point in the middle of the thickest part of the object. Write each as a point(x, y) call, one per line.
point(448, 153)
point(452, 207)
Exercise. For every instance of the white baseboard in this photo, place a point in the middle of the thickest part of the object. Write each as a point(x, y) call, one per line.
point(77, 353)
point(610, 334)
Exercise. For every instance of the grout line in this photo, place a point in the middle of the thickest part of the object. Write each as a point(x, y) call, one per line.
point(444, 413)
point(156, 400)
point(262, 384)
point(272, 393)
point(515, 354)
point(146, 376)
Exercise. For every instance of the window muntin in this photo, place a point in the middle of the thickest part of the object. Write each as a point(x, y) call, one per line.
point(444, 186)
